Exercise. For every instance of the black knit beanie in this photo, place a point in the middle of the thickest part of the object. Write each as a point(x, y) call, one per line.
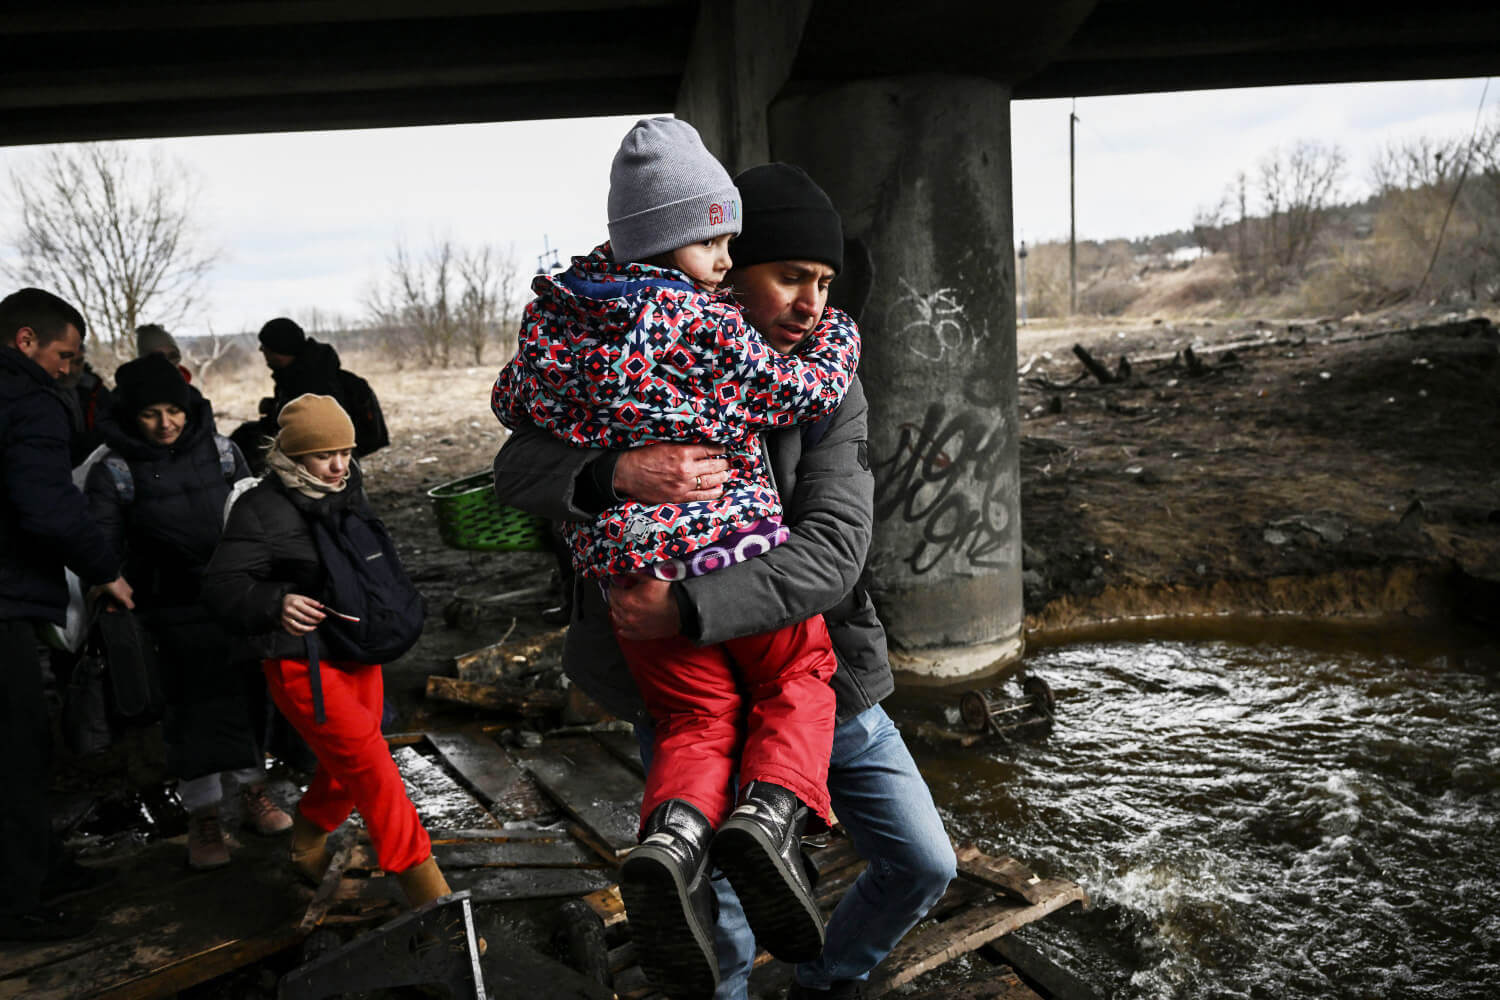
point(787, 217)
point(282, 336)
point(146, 382)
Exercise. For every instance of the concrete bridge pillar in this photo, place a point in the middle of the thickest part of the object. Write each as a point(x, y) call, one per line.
point(919, 167)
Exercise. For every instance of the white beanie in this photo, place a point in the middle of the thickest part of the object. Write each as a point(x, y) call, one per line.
point(666, 191)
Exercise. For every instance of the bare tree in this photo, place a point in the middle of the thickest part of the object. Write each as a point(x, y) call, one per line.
point(112, 230)
point(210, 351)
point(489, 298)
point(448, 299)
point(1297, 187)
point(413, 304)
point(1415, 164)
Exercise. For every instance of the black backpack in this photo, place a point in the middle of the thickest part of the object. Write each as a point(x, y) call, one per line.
point(374, 612)
point(364, 409)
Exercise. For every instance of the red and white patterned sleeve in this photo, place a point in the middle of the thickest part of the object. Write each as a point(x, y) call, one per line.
point(764, 389)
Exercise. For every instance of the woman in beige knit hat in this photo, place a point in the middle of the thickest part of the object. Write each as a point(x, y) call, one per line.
point(270, 578)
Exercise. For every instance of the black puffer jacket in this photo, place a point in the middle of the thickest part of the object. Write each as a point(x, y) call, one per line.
point(44, 522)
point(266, 553)
point(316, 370)
point(168, 530)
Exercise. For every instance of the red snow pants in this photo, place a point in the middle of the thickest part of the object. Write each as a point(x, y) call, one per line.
point(355, 769)
point(760, 705)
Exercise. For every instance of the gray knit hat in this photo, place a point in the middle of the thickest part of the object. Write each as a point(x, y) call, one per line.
point(153, 339)
point(666, 191)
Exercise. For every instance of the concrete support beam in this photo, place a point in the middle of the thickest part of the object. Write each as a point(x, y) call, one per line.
point(741, 54)
point(920, 169)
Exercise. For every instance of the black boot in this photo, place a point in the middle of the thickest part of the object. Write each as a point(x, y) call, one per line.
point(670, 904)
point(759, 849)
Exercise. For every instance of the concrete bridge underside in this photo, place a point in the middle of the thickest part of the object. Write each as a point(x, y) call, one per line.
point(900, 111)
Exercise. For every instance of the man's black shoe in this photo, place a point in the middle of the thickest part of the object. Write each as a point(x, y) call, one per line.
point(44, 924)
point(759, 849)
point(842, 989)
point(68, 878)
point(670, 904)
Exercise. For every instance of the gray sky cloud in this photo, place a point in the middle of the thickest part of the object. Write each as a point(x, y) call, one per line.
point(307, 220)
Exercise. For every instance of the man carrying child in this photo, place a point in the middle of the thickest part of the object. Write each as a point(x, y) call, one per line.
point(789, 252)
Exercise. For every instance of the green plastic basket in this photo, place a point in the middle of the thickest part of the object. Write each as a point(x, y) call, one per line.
point(469, 517)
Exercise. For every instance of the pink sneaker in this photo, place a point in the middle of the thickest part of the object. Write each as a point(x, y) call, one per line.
point(205, 842)
point(261, 814)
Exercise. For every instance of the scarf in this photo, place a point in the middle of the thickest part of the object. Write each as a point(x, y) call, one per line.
point(294, 475)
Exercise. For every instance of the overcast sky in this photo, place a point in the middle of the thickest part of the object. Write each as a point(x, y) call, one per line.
point(307, 220)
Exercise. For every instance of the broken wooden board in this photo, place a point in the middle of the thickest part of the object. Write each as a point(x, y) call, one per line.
point(513, 969)
point(935, 943)
point(496, 697)
point(1006, 876)
point(1059, 983)
point(609, 904)
point(162, 929)
point(563, 853)
point(626, 748)
point(559, 850)
point(488, 663)
point(591, 786)
point(359, 902)
point(489, 885)
point(508, 660)
point(440, 800)
point(327, 889)
point(485, 769)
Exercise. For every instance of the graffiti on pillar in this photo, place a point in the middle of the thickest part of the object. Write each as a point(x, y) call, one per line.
point(946, 476)
point(933, 325)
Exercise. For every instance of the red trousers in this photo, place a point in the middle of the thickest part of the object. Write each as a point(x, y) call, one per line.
point(762, 702)
point(355, 769)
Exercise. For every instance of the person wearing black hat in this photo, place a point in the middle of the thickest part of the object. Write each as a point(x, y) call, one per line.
point(301, 365)
point(158, 493)
point(789, 251)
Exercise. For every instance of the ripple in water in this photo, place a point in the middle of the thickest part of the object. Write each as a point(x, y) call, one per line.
point(1298, 818)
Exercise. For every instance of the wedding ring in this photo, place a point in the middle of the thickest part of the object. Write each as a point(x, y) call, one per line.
point(700, 484)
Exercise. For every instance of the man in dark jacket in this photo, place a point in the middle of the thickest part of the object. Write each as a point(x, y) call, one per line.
point(300, 365)
point(44, 526)
point(784, 261)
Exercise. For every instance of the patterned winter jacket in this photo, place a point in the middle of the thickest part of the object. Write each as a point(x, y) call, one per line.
point(618, 355)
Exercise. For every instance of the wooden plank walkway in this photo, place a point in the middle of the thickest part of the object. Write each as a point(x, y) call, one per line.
point(572, 808)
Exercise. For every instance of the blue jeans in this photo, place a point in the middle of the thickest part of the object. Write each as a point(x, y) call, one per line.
point(883, 802)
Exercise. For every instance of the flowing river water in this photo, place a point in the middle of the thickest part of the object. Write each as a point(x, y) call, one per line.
point(1296, 814)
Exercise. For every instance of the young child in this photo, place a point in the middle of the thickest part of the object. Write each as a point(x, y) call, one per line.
point(636, 343)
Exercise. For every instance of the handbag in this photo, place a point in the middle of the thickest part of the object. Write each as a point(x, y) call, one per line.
point(86, 725)
point(132, 668)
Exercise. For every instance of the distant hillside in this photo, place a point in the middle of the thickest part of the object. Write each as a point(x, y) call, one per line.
point(1430, 236)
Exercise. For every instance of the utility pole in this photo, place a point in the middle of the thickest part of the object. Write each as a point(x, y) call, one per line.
point(1072, 217)
point(1022, 255)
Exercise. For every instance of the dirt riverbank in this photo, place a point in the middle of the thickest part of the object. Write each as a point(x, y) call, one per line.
point(1334, 469)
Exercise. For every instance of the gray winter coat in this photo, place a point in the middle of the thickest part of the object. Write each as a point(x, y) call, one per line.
point(823, 474)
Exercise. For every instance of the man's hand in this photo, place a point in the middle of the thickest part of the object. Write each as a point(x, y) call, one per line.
point(642, 608)
point(671, 473)
point(300, 614)
point(119, 591)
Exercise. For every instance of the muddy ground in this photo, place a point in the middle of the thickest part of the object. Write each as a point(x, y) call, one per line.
point(1337, 468)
